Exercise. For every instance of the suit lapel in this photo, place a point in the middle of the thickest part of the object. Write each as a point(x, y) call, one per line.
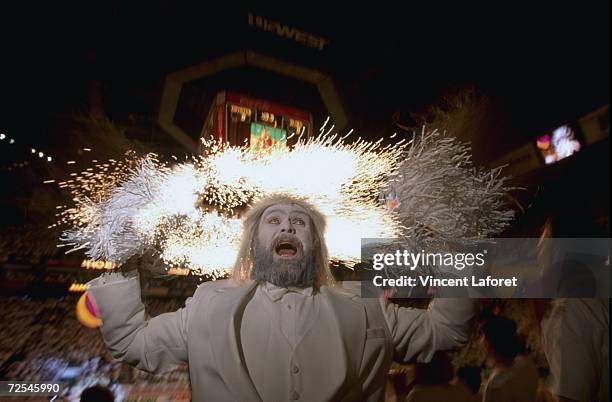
point(351, 325)
point(224, 320)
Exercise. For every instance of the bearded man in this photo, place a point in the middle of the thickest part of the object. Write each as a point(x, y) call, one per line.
point(280, 329)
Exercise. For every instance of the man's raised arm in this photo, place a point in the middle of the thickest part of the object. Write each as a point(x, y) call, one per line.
point(155, 345)
point(418, 333)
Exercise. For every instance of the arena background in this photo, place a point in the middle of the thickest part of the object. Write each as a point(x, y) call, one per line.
point(88, 81)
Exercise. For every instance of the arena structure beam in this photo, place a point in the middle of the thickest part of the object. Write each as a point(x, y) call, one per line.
point(174, 83)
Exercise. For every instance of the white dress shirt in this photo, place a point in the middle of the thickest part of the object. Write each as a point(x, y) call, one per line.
point(290, 314)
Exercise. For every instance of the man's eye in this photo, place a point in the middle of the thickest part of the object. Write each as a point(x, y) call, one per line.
point(274, 221)
point(298, 221)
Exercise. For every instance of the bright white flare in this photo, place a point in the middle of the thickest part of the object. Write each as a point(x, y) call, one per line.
point(189, 212)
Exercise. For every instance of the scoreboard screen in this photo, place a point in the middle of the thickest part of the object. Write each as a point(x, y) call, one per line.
point(263, 136)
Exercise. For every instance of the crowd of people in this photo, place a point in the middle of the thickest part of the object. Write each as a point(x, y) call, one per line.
point(43, 341)
point(528, 350)
point(27, 243)
point(521, 350)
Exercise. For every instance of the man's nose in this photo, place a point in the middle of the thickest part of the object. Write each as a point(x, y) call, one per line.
point(287, 227)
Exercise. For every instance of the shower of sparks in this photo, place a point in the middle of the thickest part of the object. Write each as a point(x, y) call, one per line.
point(90, 187)
point(190, 212)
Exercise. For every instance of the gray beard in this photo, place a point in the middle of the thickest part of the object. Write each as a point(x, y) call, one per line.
point(297, 273)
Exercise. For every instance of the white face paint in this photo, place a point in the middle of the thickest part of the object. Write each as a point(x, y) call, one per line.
point(286, 231)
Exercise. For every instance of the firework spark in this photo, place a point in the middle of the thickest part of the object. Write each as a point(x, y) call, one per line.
point(189, 212)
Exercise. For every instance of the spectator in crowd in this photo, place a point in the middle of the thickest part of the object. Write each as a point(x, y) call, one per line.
point(514, 378)
point(399, 383)
point(471, 378)
point(576, 344)
point(97, 393)
point(432, 382)
point(575, 331)
point(543, 393)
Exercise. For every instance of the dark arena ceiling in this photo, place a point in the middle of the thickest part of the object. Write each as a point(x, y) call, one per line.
point(539, 64)
point(543, 63)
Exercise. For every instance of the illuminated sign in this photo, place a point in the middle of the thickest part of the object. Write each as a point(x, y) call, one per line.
point(287, 32)
point(241, 112)
point(77, 287)
point(296, 126)
point(263, 137)
point(91, 264)
point(178, 271)
point(267, 117)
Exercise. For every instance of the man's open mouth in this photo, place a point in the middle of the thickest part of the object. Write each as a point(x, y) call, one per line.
point(285, 249)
